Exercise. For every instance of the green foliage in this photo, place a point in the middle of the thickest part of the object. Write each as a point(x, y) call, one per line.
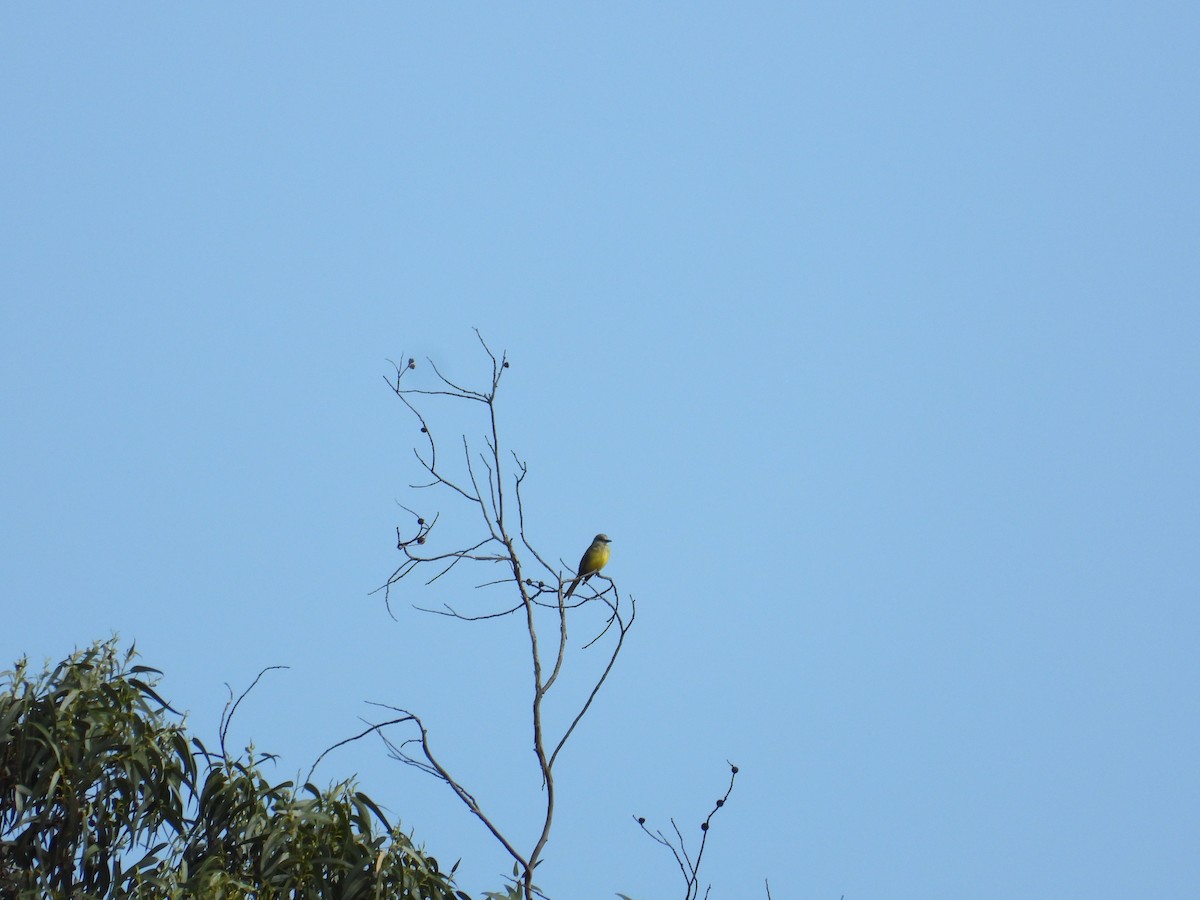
point(103, 795)
point(516, 889)
point(514, 892)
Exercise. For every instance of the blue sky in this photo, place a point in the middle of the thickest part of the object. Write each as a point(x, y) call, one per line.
point(868, 332)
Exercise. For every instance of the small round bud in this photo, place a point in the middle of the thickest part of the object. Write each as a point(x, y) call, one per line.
point(734, 769)
point(506, 364)
point(412, 363)
point(720, 803)
point(424, 430)
point(421, 539)
point(420, 521)
point(704, 826)
point(641, 820)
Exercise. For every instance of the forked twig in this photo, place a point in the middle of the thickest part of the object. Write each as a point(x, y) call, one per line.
point(689, 868)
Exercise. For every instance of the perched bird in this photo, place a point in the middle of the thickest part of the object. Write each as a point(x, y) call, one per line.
point(594, 559)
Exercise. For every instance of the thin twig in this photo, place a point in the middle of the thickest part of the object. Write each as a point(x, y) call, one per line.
point(228, 712)
point(678, 847)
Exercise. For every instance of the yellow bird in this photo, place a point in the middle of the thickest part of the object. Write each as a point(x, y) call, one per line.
point(594, 559)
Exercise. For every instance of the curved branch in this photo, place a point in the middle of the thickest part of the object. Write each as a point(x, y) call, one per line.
point(623, 629)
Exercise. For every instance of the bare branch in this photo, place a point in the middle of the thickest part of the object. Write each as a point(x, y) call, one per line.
point(678, 847)
point(452, 613)
point(493, 491)
point(228, 712)
point(350, 740)
point(623, 629)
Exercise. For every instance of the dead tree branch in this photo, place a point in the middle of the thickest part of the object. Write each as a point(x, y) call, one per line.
point(491, 481)
point(689, 868)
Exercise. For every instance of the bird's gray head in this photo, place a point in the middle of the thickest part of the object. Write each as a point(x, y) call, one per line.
point(601, 539)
